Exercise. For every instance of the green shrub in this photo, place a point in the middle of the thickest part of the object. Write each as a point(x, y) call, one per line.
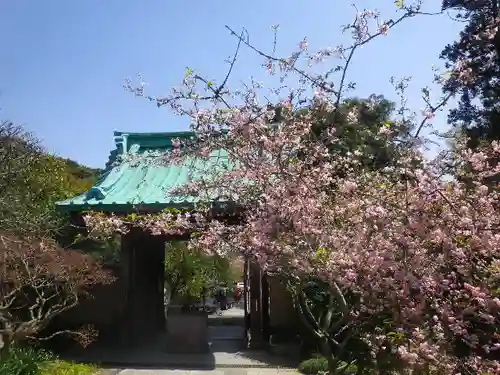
point(31, 361)
point(59, 367)
point(24, 361)
point(313, 366)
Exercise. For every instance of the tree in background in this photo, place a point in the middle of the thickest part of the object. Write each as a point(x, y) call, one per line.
point(38, 279)
point(477, 50)
point(355, 122)
point(189, 272)
point(32, 180)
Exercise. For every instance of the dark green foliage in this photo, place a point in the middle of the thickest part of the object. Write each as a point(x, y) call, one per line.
point(32, 180)
point(319, 364)
point(313, 366)
point(315, 297)
point(24, 361)
point(107, 251)
point(477, 111)
point(360, 135)
point(190, 272)
point(82, 172)
point(32, 361)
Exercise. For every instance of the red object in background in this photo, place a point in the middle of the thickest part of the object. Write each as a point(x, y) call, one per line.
point(237, 293)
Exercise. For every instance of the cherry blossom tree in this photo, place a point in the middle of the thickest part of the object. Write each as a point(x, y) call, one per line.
point(409, 255)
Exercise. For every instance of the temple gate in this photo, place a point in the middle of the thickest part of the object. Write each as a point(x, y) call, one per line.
point(143, 188)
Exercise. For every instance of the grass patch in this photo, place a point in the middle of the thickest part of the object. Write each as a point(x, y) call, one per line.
point(59, 367)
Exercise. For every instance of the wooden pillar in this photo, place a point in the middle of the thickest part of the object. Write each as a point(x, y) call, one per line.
point(246, 299)
point(283, 314)
point(159, 266)
point(126, 277)
point(256, 321)
point(142, 269)
point(266, 318)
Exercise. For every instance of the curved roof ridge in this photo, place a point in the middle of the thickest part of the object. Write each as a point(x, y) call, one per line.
point(159, 140)
point(176, 134)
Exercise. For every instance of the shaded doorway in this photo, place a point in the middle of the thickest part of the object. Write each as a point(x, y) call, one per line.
point(142, 273)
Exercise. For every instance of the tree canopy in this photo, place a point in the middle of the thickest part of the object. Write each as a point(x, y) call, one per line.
point(31, 262)
point(478, 50)
point(32, 180)
point(356, 123)
point(190, 271)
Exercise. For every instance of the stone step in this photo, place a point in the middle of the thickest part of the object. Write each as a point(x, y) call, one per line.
point(226, 320)
point(226, 332)
point(227, 346)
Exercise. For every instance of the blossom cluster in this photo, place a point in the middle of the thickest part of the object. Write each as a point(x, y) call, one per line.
point(101, 226)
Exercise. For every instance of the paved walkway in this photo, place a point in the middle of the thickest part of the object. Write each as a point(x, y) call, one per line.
point(232, 371)
point(227, 355)
point(237, 312)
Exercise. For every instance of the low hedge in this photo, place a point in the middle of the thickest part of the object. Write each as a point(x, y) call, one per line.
point(319, 364)
point(31, 361)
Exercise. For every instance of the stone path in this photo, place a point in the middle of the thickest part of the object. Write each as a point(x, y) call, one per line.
point(237, 312)
point(226, 357)
point(232, 371)
point(223, 356)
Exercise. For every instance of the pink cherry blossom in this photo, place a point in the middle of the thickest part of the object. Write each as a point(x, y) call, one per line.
point(407, 243)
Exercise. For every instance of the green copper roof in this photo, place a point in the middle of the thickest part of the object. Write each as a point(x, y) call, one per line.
point(128, 185)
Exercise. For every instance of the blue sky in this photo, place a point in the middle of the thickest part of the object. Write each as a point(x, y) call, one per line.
point(64, 62)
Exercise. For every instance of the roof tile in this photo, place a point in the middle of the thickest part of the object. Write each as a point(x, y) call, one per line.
point(124, 186)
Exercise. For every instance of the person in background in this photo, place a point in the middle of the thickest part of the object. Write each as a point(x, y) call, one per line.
point(238, 293)
point(223, 298)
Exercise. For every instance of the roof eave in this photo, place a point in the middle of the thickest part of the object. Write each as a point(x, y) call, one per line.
point(121, 208)
point(124, 207)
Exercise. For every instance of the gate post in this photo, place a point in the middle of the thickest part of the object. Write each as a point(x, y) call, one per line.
point(246, 300)
point(256, 312)
point(266, 317)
